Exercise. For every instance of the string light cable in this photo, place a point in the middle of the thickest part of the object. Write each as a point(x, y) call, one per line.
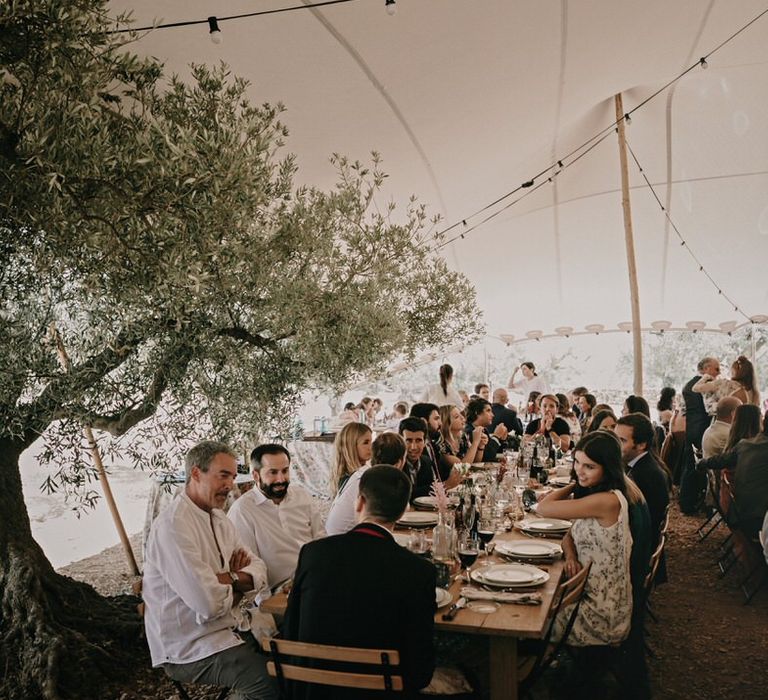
point(260, 13)
point(699, 63)
point(683, 242)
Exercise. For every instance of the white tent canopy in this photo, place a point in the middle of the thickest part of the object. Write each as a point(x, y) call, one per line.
point(467, 99)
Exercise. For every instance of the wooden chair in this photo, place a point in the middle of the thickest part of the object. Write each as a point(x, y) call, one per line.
point(752, 558)
point(368, 669)
point(569, 592)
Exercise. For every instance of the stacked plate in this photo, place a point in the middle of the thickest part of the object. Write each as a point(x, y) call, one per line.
point(527, 549)
point(544, 526)
point(442, 597)
point(510, 576)
point(560, 481)
point(414, 518)
point(430, 502)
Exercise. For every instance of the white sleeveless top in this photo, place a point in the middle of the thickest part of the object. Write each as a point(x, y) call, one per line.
point(606, 610)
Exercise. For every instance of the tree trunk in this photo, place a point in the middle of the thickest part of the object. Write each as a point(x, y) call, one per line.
point(58, 637)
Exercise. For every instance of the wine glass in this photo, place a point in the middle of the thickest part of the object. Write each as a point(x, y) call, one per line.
point(468, 550)
point(485, 531)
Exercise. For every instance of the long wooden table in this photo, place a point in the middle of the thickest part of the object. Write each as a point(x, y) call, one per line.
point(503, 627)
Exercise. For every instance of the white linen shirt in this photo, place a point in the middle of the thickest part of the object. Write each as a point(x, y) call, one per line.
point(715, 438)
point(188, 613)
point(342, 517)
point(274, 532)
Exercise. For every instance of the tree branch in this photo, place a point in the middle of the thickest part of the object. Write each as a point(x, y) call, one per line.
point(246, 336)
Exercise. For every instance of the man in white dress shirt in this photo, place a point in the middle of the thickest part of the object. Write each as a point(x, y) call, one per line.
point(195, 574)
point(716, 435)
point(273, 520)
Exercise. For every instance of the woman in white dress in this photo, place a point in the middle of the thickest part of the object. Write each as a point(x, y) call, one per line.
point(443, 393)
point(529, 382)
point(599, 504)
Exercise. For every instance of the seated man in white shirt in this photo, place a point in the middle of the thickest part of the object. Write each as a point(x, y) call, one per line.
point(387, 448)
point(716, 435)
point(195, 574)
point(276, 518)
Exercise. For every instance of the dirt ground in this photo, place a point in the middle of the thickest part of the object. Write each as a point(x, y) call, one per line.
point(708, 644)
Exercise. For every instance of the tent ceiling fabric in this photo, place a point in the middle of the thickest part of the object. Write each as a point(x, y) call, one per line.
point(467, 100)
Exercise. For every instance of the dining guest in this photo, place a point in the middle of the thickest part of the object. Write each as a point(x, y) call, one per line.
point(483, 391)
point(480, 415)
point(602, 420)
point(567, 414)
point(419, 469)
point(399, 411)
point(716, 435)
point(666, 406)
point(530, 381)
point(459, 447)
point(443, 392)
point(502, 413)
point(587, 403)
point(550, 424)
point(464, 398)
point(638, 404)
point(574, 395)
point(387, 448)
point(636, 435)
point(352, 449)
point(196, 572)
point(362, 589)
point(435, 449)
point(599, 505)
point(275, 519)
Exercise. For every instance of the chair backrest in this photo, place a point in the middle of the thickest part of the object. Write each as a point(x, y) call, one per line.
point(653, 566)
point(569, 592)
point(291, 661)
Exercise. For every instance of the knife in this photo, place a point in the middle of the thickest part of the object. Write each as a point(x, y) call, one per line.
point(454, 609)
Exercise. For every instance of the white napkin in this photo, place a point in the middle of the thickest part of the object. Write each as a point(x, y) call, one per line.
point(501, 596)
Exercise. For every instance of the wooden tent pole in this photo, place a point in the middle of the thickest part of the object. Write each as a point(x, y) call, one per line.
point(629, 241)
point(129, 555)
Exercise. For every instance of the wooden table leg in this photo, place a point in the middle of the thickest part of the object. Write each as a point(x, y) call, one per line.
point(503, 661)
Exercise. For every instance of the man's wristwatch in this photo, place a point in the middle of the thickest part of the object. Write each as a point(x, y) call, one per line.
point(234, 576)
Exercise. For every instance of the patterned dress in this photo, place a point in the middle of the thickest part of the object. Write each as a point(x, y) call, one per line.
point(606, 609)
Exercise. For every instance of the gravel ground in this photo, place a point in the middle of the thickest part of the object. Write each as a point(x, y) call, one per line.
point(708, 645)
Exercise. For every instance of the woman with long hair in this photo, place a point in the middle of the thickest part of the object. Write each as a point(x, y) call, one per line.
point(444, 392)
point(587, 403)
point(747, 422)
point(599, 504)
point(743, 372)
point(605, 420)
point(352, 449)
point(566, 413)
point(742, 385)
point(666, 406)
point(456, 441)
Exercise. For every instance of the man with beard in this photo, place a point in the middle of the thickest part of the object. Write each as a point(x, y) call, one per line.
point(434, 448)
point(273, 520)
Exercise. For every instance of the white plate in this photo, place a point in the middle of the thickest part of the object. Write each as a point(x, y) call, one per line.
point(417, 519)
point(478, 576)
point(545, 525)
point(529, 550)
point(442, 597)
point(425, 501)
point(511, 574)
point(560, 481)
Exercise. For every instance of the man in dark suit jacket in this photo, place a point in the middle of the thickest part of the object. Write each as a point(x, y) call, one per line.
point(749, 459)
point(421, 471)
point(501, 414)
point(362, 589)
point(696, 418)
point(636, 434)
point(693, 483)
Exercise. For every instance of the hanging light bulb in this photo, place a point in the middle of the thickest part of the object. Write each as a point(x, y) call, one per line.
point(703, 62)
point(215, 32)
point(390, 6)
point(627, 119)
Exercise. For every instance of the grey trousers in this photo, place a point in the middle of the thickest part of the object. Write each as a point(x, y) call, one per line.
point(241, 668)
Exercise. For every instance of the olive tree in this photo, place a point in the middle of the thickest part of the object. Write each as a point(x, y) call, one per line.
point(150, 228)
